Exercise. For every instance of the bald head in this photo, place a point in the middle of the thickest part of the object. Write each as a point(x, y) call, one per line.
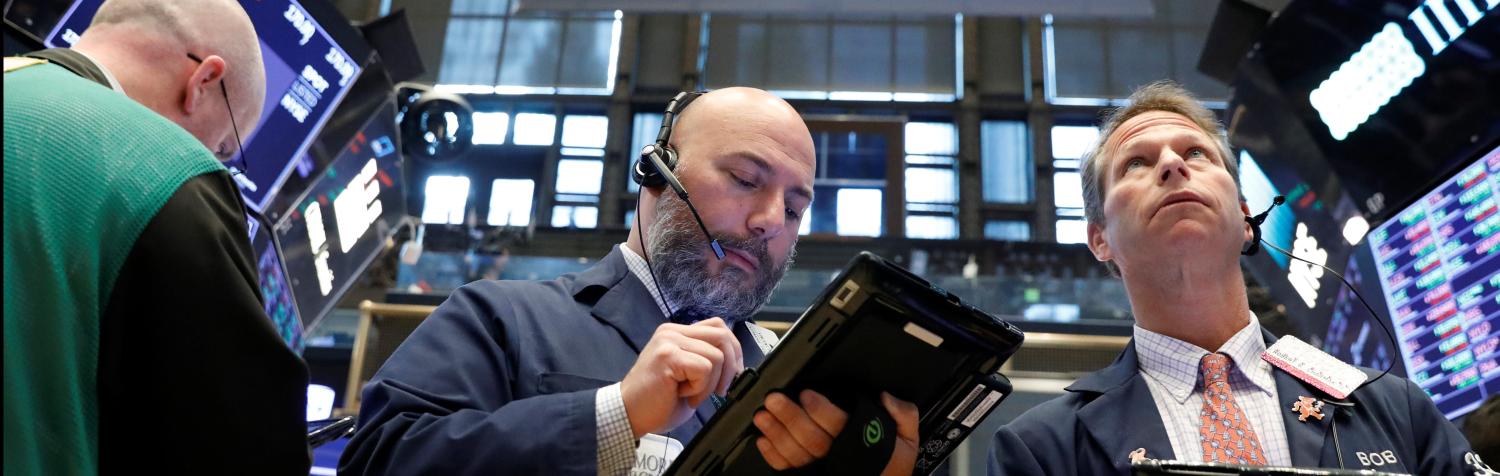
point(748, 161)
point(739, 115)
point(146, 44)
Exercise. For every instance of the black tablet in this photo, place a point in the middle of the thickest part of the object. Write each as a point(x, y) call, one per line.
point(876, 327)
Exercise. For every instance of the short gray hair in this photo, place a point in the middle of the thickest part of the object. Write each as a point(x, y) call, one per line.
point(217, 27)
point(1164, 95)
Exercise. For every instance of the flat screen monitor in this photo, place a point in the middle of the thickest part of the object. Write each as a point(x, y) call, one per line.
point(307, 75)
point(341, 223)
point(1438, 262)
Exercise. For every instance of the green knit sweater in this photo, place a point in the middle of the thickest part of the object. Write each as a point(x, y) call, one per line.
point(86, 168)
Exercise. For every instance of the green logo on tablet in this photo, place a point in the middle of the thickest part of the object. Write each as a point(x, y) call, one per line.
point(873, 432)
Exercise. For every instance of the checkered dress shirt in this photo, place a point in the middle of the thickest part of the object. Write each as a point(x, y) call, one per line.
point(1170, 367)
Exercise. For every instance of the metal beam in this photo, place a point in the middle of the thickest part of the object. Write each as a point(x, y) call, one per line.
point(1012, 8)
point(970, 176)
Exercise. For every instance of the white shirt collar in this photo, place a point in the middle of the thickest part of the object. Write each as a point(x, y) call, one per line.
point(1174, 363)
point(113, 83)
point(642, 272)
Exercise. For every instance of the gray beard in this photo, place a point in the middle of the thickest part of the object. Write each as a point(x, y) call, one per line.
point(675, 252)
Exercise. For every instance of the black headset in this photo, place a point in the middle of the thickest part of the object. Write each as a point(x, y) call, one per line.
point(1255, 221)
point(658, 160)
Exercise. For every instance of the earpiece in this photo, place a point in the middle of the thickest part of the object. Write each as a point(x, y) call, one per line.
point(658, 160)
point(1255, 221)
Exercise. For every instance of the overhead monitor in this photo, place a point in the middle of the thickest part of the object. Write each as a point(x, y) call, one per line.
point(1385, 91)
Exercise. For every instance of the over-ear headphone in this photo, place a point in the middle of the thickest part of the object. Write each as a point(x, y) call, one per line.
point(658, 160)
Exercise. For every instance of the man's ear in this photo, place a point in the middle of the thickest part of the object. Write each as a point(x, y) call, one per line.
point(200, 86)
point(1249, 235)
point(1097, 243)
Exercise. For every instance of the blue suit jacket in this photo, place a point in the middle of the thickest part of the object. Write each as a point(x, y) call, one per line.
point(1393, 427)
point(501, 378)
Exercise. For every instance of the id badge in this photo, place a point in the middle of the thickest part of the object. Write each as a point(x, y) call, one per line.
point(654, 454)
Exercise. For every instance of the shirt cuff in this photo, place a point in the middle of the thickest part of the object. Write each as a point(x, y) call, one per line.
point(616, 453)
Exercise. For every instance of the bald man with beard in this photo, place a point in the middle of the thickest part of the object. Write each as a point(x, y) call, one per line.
point(135, 337)
point(594, 372)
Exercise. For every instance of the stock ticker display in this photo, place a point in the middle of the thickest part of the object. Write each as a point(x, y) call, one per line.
point(1440, 273)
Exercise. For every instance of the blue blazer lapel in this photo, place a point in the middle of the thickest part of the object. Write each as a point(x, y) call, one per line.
point(619, 299)
point(753, 355)
point(1117, 434)
point(1304, 439)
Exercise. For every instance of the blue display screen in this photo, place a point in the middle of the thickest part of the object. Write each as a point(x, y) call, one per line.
point(1438, 262)
point(307, 74)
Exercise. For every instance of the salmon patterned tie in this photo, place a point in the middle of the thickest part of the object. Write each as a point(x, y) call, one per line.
point(1223, 431)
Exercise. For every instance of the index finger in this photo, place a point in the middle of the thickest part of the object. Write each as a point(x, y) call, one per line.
point(716, 332)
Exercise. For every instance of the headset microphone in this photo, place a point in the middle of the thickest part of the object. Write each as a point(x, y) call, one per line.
point(661, 159)
point(1255, 222)
point(654, 170)
point(1254, 247)
point(677, 187)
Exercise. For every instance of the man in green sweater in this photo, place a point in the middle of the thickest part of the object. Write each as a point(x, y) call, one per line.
point(134, 334)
